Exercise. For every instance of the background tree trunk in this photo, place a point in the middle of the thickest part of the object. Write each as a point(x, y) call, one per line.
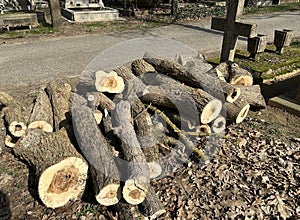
point(55, 14)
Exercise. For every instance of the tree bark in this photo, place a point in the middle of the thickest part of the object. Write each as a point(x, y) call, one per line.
point(192, 77)
point(60, 94)
point(237, 111)
point(97, 151)
point(252, 95)
point(14, 115)
point(41, 116)
point(2, 133)
point(140, 67)
point(136, 186)
point(151, 207)
point(61, 171)
point(189, 101)
point(55, 14)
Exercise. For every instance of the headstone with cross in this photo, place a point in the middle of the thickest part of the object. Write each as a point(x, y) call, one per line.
point(232, 28)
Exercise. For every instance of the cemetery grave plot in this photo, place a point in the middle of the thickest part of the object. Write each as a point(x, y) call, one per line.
point(253, 173)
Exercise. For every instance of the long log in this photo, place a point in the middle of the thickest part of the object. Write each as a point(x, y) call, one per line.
point(189, 101)
point(61, 171)
point(252, 95)
point(60, 94)
point(41, 116)
point(14, 116)
point(191, 76)
point(136, 186)
point(97, 151)
point(236, 112)
point(141, 118)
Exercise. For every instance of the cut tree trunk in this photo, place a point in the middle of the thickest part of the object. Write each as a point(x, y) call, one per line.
point(239, 76)
point(188, 101)
point(141, 117)
point(252, 95)
point(99, 100)
point(218, 125)
point(236, 112)
point(10, 141)
point(61, 171)
point(212, 85)
point(97, 151)
point(204, 129)
point(14, 115)
point(136, 186)
point(140, 67)
point(41, 116)
point(60, 94)
point(151, 207)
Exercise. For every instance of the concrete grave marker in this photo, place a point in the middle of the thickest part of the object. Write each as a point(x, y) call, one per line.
point(232, 28)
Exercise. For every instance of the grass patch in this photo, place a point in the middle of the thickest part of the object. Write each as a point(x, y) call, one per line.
point(42, 30)
point(98, 24)
point(294, 6)
point(89, 208)
point(268, 64)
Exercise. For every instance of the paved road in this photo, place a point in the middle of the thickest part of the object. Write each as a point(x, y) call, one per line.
point(44, 60)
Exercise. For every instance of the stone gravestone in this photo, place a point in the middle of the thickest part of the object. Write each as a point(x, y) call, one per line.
point(232, 28)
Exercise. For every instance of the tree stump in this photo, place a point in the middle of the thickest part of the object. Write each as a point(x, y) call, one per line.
point(61, 171)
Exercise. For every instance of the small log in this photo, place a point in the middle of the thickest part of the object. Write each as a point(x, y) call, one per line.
point(10, 141)
point(189, 101)
point(151, 207)
point(61, 171)
point(239, 76)
point(252, 95)
point(124, 211)
point(125, 72)
point(99, 100)
point(218, 125)
point(222, 71)
point(14, 115)
point(232, 93)
point(203, 129)
point(236, 112)
point(41, 116)
point(97, 151)
point(136, 186)
point(140, 67)
point(60, 94)
point(109, 82)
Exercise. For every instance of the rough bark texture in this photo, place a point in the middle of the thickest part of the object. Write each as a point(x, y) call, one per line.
point(125, 72)
point(99, 100)
point(97, 151)
point(14, 115)
point(124, 211)
point(2, 133)
point(41, 113)
point(237, 111)
point(140, 67)
point(60, 93)
point(151, 207)
point(190, 102)
point(136, 185)
point(61, 171)
point(252, 95)
point(55, 14)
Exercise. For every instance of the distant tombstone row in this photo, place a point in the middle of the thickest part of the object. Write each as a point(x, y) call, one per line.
point(257, 44)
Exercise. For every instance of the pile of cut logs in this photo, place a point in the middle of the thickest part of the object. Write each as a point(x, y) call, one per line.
point(124, 128)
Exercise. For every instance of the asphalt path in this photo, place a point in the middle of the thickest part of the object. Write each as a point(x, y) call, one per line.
point(68, 57)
